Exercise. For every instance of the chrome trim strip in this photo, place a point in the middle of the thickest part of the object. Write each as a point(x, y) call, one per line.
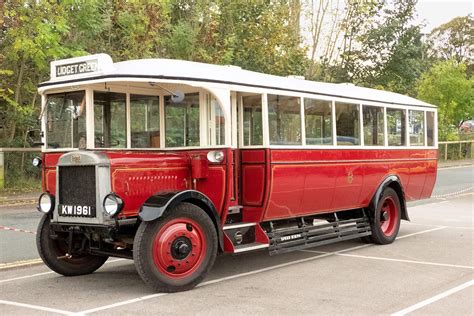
point(255, 247)
point(233, 226)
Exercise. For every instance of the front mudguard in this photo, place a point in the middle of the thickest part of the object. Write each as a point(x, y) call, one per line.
point(159, 204)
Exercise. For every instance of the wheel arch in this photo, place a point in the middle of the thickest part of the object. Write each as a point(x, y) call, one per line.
point(159, 204)
point(391, 181)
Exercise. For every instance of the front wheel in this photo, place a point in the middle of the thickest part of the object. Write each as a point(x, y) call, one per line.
point(175, 253)
point(385, 222)
point(54, 253)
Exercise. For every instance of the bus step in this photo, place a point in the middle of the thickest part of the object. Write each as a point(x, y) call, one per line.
point(296, 238)
point(240, 234)
point(249, 247)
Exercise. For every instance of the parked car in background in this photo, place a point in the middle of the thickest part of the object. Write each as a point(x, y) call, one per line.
point(466, 126)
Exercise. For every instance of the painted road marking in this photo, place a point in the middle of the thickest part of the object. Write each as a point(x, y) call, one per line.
point(422, 232)
point(431, 225)
point(434, 299)
point(453, 193)
point(36, 307)
point(339, 253)
point(49, 272)
point(17, 230)
point(21, 263)
point(231, 277)
point(455, 167)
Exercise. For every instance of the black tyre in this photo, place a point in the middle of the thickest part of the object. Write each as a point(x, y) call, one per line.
point(50, 249)
point(175, 253)
point(385, 222)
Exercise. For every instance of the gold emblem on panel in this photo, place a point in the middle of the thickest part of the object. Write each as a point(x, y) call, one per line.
point(350, 177)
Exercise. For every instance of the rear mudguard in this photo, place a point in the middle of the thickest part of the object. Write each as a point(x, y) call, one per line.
point(160, 203)
point(394, 182)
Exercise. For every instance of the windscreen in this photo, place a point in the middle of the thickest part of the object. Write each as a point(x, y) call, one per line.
point(66, 120)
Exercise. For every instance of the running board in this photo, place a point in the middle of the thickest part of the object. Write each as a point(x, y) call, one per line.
point(249, 247)
point(291, 239)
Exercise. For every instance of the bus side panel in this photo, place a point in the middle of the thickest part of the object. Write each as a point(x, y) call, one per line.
point(253, 176)
point(307, 181)
point(430, 179)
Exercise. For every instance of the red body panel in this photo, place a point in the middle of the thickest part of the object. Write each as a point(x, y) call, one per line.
point(135, 176)
point(313, 181)
point(274, 183)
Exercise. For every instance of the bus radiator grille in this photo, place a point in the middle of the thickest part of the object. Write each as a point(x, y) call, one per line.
point(77, 185)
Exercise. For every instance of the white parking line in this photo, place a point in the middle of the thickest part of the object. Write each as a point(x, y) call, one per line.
point(431, 225)
point(26, 277)
point(36, 307)
point(434, 299)
point(422, 232)
point(231, 277)
point(337, 253)
point(147, 297)
point(49, 272)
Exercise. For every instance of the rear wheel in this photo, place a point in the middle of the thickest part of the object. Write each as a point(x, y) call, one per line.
point(386, 218)
point(54, 253)
point(177, 251)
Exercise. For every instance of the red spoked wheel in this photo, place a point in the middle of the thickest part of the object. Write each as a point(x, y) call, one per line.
point(175, 252)
point(179, 247)
point(386, 219)
point(388, 216)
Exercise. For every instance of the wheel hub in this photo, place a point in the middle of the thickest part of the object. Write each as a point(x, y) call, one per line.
point(179, 248)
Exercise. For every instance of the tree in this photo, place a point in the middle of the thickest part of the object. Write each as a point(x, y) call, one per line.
point(447, 86)
point(453, 40)
point(31, 37)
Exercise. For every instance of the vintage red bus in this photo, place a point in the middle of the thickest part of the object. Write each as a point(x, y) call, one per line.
point(171, 162)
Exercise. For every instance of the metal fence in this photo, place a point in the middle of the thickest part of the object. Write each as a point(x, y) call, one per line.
point(455, 150)
point(16, 170)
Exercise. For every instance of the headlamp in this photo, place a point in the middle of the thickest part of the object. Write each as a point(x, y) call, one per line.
point(113, 204)
point(45, 203)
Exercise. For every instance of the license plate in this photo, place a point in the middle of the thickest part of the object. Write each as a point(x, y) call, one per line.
point(76, 210)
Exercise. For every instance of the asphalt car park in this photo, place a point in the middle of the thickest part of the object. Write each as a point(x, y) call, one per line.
point(428, 270)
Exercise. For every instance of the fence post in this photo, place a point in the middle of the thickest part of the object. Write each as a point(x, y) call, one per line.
point(446, 151)
point(2, 171)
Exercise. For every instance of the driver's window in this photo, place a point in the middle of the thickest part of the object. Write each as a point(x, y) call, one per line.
point(110, 128)
point(182, 121)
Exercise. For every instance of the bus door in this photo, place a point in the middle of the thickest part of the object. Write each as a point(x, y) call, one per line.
point(250, 156)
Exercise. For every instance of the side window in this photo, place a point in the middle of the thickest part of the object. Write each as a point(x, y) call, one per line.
point(216, 121)
point(145, 121)
point(396, 127)
point(430, 126)
point(252, 120)
point(347, 124)
point(284, 120)
point(416, 128)
point(373, 126)
point(318, 122)
point(110, 120)
point(182, 121)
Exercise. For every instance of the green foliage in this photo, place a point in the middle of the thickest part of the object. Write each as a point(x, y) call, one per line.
point(377, 44)
point(447, 86)
point(382, 49)
point(453, 40)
